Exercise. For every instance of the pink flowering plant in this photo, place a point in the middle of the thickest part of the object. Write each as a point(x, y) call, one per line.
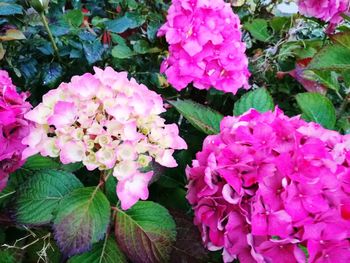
point(175, 131)
point(13, 127)
point(268, 185)
point(107, 122)
point(329, 10)
point(205, 46)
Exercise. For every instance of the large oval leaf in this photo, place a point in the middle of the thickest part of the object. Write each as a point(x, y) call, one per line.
point(332, 57)
point(39, 197)
point(259, 29)
point(10, 9)
point(106, 251)
point(145, 232)
point(202, 118)
point(259, 99)
point(317, 108)
point(82, 220)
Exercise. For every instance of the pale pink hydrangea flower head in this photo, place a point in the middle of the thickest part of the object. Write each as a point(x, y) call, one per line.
point(267, 185)
point(108, 122)
point(205, 46)
point(13, 127)
point(326, 10)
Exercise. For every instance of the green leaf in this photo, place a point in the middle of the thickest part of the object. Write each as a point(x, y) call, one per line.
point(259, 29)
point(201, 117)
point(74, 17)
point(326, 78)
point(317, 108)
point(145, 232)
point(346, 77)
point(39, 197)
point(279, 22)
point(82, 220)
point(152, 29)
point(38, 162)
point(128, 21)
point(93, 51)
point(122, 51)
point(106, 251)
point(7, 257)
point(259, 99)
point(334, 57)
point(71, 167)
point(52, 74)
point(110, 190)
point(7, 9)
point(16, 179)
point(142, 47)
point(342, 39)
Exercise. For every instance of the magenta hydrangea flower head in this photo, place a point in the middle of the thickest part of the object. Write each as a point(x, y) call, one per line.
point(326, 10)
point(13, 127)
point(205, 46)
point(267, 185)
point(107, 122)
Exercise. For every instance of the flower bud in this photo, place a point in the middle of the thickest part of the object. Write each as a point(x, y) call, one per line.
point(40, 5)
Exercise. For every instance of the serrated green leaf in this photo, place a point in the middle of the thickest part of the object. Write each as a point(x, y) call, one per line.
point(74, 17)
point(259, 99)
point(327, 78)
point(128, 21)
point(106, 251)
point(38, 162)
point(258, 28)
point(203, 118)
point(145, 232)
point(122, 51)
point(82, 220)
point(342, 39)
point(93, 51)
point(317, 108)
point(7, 9)
point(333, 57)
point(39, 197)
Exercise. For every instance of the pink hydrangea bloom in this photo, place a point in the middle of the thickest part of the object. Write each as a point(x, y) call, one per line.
point(326, 10)
point(107, 122)
point(13, 127)
point(205, 46)
point(268, 184)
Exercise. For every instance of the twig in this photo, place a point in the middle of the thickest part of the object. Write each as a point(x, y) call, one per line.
point(53, 43)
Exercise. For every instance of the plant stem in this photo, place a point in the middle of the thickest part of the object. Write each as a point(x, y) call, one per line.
point(53, 43)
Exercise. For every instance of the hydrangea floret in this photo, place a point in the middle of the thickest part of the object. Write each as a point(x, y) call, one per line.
point(326, 10)
point(268, 185)
point(106, 121)
point(205, 46)
point(13, 127)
